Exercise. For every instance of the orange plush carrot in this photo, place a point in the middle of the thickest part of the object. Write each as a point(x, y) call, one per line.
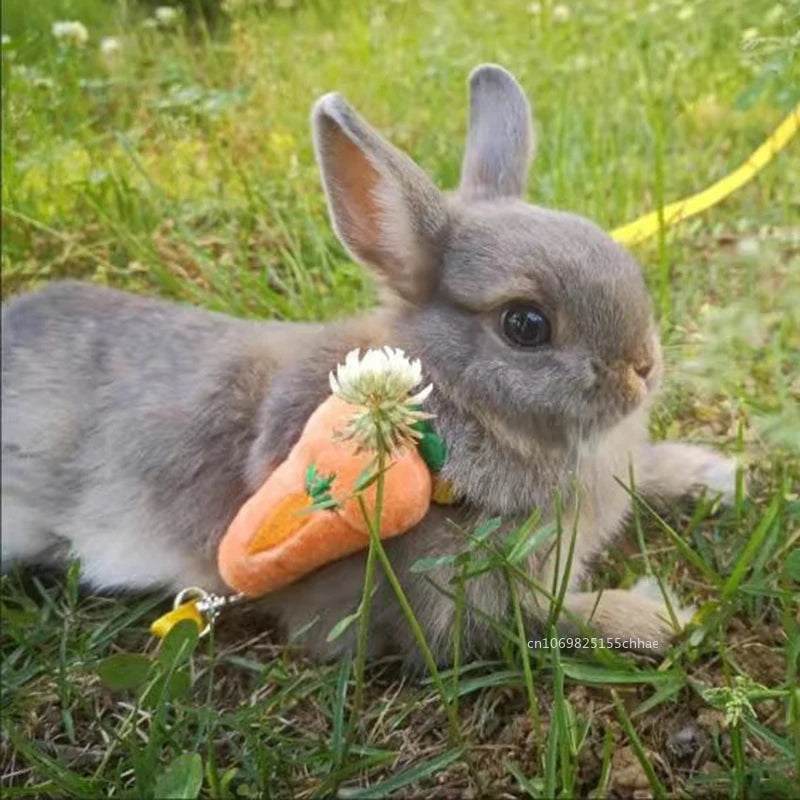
point(285, 530)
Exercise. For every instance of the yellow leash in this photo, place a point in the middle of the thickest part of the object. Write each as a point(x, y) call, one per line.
point(648, 225)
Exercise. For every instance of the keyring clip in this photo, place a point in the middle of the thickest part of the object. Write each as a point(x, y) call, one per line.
point(196, 604)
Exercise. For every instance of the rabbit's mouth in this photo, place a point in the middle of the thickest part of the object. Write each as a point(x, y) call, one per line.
point(632, 383)
point(625, 379)
point(620, 388)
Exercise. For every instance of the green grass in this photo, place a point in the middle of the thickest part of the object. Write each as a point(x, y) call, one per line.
point(185, 169)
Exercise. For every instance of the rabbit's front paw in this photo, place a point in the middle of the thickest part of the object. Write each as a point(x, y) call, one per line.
point(648, 587)
point(674, 469)
point(717, 475)
point(636, 619)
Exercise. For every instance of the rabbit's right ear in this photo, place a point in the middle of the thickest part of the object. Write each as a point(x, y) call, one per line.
point(384, 208)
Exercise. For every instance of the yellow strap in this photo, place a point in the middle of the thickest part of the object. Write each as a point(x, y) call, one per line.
point(164, 624)
point(648, 225)
point(443, 492)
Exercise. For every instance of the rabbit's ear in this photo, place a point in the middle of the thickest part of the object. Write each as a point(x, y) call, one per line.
point(384, 208)
point(500, 138)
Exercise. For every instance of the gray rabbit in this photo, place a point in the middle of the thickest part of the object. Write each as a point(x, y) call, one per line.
point(133, 429)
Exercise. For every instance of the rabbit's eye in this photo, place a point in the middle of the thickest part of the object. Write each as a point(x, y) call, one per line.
point(525, 326)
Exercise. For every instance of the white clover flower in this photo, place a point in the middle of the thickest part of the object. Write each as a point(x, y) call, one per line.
point(749, 247)
point(734, 700)
point(580, 63)
point(33, 77)
point(72, 32)
point(381, 385)
point(166, 15)
point(381, 375)
point(561, 13)
point(535, 9)
point(110, 46)
point(5, 40)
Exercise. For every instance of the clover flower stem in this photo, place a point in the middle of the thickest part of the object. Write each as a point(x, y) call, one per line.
point(369, 582)
point(376, 548)
point(419, 635)
point(737, 752)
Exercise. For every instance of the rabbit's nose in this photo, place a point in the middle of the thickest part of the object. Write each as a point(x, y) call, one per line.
point(643, 369)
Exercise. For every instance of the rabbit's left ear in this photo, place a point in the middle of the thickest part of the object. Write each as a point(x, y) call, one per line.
point(500, 139)
point(384, 208)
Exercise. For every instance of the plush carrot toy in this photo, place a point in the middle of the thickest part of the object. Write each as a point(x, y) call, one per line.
point(305, 514)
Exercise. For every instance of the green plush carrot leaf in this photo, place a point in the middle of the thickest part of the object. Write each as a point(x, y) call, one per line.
point(322, 505)
point(431, 446)
point(319, 489)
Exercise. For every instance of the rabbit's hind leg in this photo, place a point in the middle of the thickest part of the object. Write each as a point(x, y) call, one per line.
point(25, 535)
point(124, 545)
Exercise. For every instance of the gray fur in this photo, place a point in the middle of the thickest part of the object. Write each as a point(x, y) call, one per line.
point(133, 429)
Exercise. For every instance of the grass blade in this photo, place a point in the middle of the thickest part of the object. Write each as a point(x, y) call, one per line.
point(402, 779)
point(659, 792)
point(751, 549)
